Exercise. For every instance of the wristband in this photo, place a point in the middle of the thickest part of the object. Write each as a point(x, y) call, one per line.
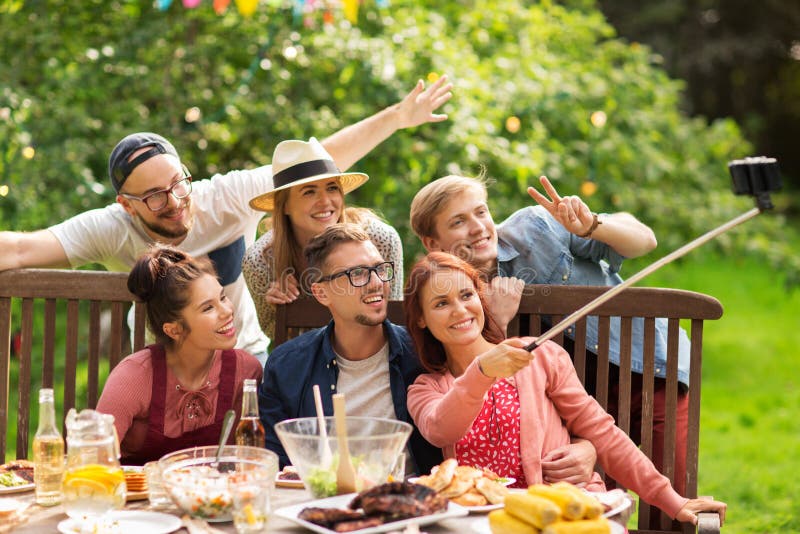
point(595, 223)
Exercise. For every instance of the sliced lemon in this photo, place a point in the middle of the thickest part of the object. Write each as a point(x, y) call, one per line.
point(249, 515)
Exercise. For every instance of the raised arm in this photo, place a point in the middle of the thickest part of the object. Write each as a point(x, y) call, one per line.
point(621, 231)
point(353, 142)
point(31, 249)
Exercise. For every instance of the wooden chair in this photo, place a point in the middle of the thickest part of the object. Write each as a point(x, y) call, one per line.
point(557, 302)
point(43, 306)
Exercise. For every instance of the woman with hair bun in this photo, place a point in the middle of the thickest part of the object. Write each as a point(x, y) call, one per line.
point(173, 394)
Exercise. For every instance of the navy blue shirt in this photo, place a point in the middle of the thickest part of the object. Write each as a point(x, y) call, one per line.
point(293, 368)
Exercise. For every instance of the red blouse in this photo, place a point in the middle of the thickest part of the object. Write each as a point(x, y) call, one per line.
point(493, 440)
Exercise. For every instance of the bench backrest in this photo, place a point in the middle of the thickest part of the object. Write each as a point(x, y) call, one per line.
point(557, 302)
point(39, 308)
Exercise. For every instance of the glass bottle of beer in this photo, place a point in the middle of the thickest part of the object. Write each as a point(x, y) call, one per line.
point(250, 431)
point(48, 453)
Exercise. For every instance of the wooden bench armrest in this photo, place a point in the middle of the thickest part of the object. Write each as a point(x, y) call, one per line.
point(708, 523)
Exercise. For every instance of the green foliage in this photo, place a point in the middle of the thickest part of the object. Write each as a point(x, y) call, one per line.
point(227, 89)
point(749, 427)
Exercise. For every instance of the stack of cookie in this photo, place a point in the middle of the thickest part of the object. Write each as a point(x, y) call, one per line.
point(135, 480)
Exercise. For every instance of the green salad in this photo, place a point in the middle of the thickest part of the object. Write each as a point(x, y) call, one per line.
point(10, 480)
point(322, 482)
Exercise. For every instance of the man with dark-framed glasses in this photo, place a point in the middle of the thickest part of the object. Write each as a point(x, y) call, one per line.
point(360, 353)
point(157, 201)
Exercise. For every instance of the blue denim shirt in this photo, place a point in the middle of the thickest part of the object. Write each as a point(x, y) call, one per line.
point(536, 248)
point(295, 366)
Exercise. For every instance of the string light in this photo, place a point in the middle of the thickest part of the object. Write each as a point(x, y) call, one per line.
point(598, 119)
point(513, 124)
point(588, 188)
point(3, 190)
point(28, 152)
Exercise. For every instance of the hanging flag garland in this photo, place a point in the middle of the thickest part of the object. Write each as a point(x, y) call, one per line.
point(301, 9)
point(247, 7)
point(220, 6)
point(351, 10)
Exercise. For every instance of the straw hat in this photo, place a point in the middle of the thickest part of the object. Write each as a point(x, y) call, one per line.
point(297, 163)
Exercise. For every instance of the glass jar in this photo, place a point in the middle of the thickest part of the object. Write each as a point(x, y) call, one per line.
point(94, 483)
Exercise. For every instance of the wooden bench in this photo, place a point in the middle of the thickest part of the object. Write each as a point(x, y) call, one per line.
point(38, 307)
point(557, 302)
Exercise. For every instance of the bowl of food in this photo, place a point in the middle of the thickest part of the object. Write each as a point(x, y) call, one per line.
point(200, 486)
point(374, 445)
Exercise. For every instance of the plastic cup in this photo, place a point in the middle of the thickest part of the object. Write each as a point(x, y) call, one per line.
point(251, 504)
point(155, 486)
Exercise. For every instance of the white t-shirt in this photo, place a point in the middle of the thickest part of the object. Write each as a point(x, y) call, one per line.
point(365, 384)
point(222, 217)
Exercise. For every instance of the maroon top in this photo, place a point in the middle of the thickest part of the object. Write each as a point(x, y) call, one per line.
point(157, 444)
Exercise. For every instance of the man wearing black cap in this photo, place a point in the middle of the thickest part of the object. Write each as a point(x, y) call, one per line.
point(158, 201)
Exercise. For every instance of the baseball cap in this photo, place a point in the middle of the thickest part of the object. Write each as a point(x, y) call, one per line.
point(119, 168)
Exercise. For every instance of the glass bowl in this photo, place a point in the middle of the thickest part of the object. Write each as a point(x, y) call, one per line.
point(200, 487)
point(374, 445)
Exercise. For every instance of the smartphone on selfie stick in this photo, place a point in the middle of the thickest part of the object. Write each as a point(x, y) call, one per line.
point(756, 177)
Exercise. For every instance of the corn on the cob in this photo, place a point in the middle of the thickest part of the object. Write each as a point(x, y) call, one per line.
point(584, 526)
point(537, 511)
point(572, 506)
point(501, 522)
point(593, 507)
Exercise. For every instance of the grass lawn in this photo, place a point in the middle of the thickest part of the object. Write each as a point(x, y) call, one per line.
point(750, 429)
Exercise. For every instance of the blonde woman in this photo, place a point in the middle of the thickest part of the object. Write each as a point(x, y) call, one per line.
point(308, 198)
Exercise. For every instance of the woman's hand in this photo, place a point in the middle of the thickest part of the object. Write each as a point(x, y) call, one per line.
point(502, 299)
point(284, 292)
point(505, 359)
point(688, 514)
point(573, 463)
point(418, 105)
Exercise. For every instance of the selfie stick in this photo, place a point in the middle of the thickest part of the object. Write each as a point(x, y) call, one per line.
point(751, 176)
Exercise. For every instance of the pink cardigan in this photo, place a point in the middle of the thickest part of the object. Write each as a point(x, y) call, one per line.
point(553, 405)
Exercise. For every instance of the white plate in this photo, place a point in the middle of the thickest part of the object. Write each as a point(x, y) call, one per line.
point(125, 522)
point(479, 509)
point(507, 482)
point(481, 526)
point(483, 509)
point(5, 490)
point(616, 499)
point(341, 501)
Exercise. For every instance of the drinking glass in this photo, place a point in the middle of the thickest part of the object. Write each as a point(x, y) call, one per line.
point(250, 503)
point(155, 486)
point(398, 472)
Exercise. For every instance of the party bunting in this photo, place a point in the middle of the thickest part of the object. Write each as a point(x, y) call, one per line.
point(247, 7)
point(302, 10)
point(220, 6)
point(351, 10)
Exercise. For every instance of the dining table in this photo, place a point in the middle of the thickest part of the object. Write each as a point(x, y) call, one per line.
point(39, 520)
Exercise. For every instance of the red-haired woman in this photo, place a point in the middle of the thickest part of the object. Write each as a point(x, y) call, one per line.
point(490, 403)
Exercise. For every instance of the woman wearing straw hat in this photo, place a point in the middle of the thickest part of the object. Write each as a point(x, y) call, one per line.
point(308, 198)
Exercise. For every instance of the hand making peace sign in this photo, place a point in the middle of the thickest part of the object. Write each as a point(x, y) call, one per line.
point(571, 211)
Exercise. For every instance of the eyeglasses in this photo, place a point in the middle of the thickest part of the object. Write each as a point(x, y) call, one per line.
point(359, 276)
point(158, 199)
